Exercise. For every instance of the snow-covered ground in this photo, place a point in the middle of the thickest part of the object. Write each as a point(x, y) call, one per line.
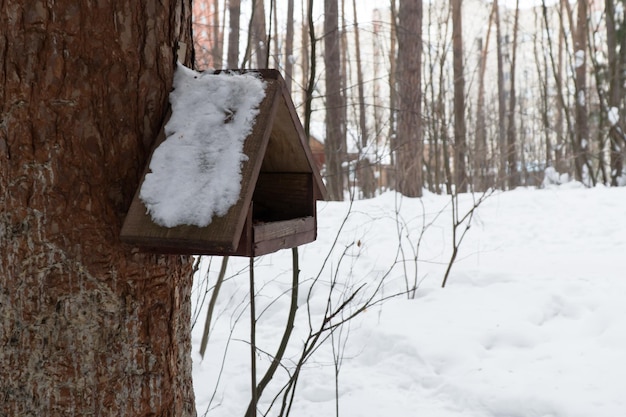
point(532, 321)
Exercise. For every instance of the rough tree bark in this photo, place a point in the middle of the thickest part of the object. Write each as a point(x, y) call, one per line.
point(409, 145)
point(88, 326)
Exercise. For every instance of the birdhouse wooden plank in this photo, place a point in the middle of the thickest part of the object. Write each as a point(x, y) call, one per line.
point(276, 207)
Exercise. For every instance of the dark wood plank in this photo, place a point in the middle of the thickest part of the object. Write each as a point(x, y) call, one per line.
point(274, 236)
point(282, 229)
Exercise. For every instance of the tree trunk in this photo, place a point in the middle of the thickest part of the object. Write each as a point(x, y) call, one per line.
point(359, 78)
point(208, 35)
point(334, 146)
point(563, 116)
point(616, 63)
point(501, 100)
point(345, 83)
point(364, 167)
point(460, 145)
point(511, 153)
point(274, 23)
point(234, 12)
point(541, 64)
point(378, 40)
point(481, 168)
point(259, 34)
point(289, 59)
point(218, 37)
point(581, 142)
point(306, 63)
point(393, 92)
point(88, 326)
point(409, 146)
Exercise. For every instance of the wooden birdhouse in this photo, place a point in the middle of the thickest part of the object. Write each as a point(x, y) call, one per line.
point(276, 205)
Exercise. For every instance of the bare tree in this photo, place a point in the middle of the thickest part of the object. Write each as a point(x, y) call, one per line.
point(359, 74)
point(460, 145)
point(409, 144)
point(89, 325)
point(436, 155)
point(378, 40)
point(481, 169)
point(562, 117)
point(581, 142)
point(501, 98)
point(257, 37)
point(289, 58)
point(511, 155)
point(541, 65)
point(393, 51)
point(307, 34)
point(234, 12)
point(363, 169)
point(259, 34)
point(218, 36)
point(334, 147)
point(208, 34)
point(617, 61)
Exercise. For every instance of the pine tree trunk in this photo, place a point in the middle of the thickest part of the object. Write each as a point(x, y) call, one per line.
point(88, 326)
point(409, 145)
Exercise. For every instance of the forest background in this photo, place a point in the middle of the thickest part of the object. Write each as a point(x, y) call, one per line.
point(439, 95)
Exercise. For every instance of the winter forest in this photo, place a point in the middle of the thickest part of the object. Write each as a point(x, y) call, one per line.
point(505, 119)
point(467, 261)
point(439, 95)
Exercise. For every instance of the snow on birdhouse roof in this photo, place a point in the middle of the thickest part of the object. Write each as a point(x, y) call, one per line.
point(195, 173)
